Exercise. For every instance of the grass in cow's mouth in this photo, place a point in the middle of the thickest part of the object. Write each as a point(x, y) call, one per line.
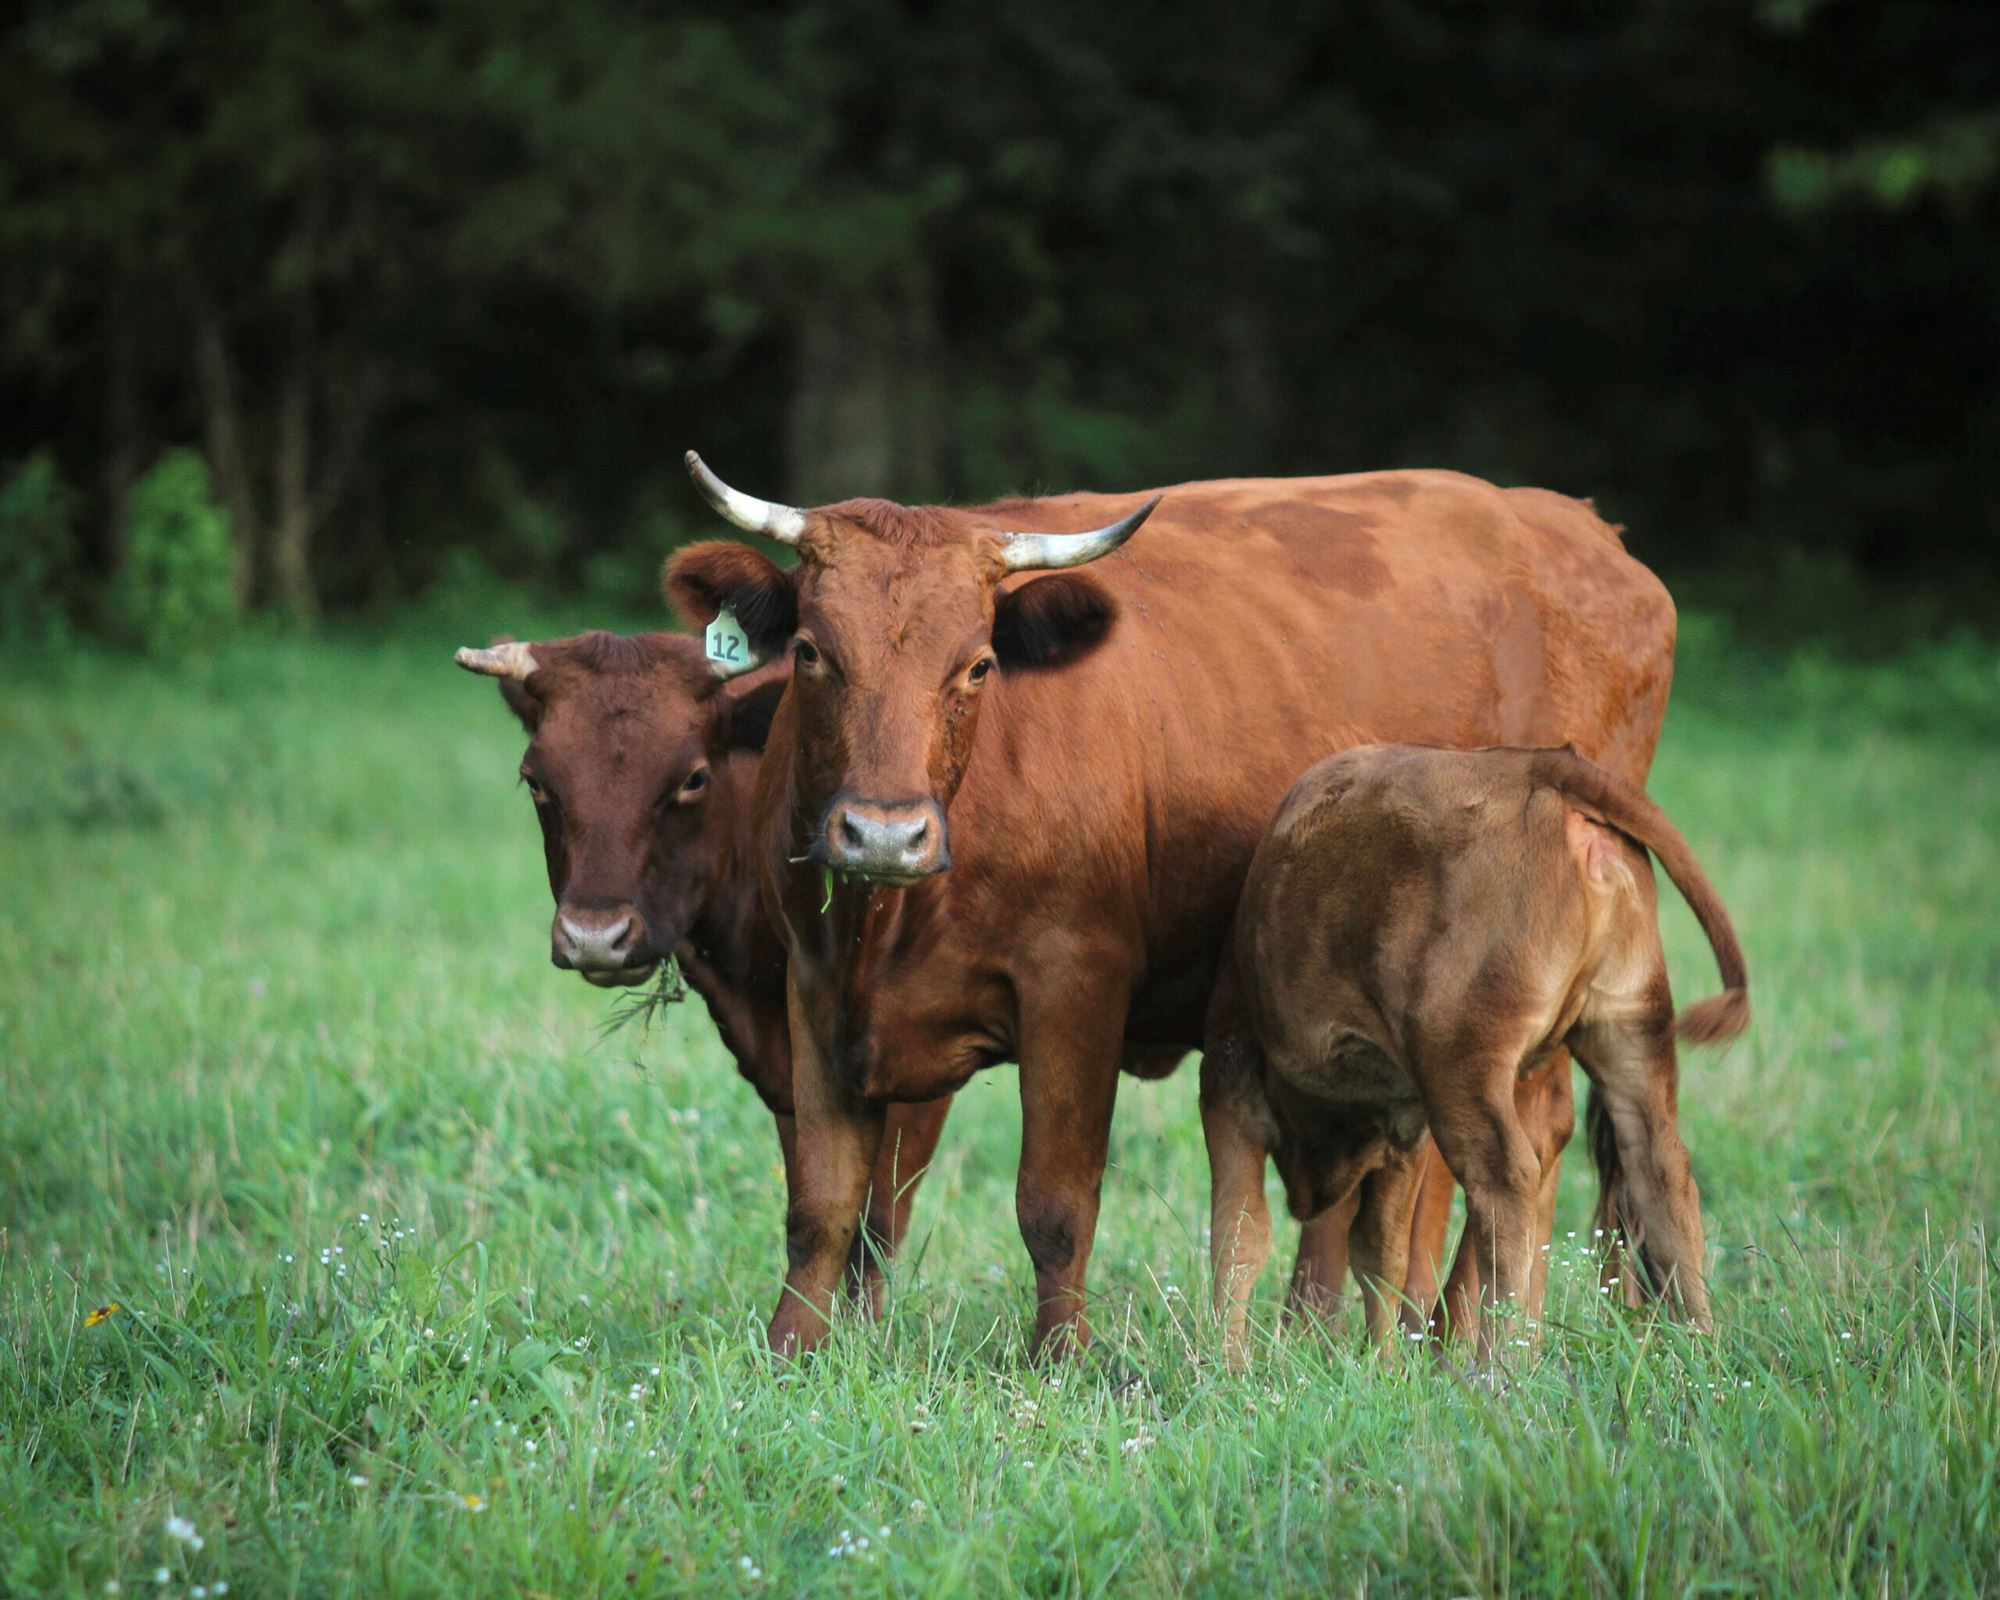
point(643, 1002)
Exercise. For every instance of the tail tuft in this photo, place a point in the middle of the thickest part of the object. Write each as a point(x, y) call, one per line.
point(1716, 1019)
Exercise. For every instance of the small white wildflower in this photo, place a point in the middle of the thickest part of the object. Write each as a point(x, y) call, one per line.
point(655, 1371)
point(112, 1586)
point(364, 1216)
point(181, 1529)
point(530, 1446)
point(199, 1591)
point(161, 1575)
point(355, 1480)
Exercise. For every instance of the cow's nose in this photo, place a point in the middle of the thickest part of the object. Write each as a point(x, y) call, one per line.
point(595, 940)
point(903, 839)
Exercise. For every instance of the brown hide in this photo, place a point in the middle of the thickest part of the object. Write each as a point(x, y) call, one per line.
point(1419, 930)
point(616, 728)
point(1102, 810)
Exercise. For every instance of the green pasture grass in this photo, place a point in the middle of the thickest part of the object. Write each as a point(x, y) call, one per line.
point(428, 1287)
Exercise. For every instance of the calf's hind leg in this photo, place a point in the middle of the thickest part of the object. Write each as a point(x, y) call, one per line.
point(1470, 1103)
point(1630, 1058)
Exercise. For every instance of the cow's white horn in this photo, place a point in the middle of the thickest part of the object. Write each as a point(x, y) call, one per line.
point(783, 523)
point(510, 660)
point(1038, 552)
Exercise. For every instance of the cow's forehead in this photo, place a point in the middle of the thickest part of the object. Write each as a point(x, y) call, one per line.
point(621, 715)
point(870, 589)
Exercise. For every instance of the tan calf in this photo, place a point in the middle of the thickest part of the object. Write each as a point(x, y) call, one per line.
point(1420, 931)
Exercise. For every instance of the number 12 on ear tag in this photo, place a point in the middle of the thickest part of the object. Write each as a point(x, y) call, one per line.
point(728, 645)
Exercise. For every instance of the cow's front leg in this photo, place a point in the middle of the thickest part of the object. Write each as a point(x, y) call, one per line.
point(909, 1140)
point(1069, 1080)
point(837, 1135)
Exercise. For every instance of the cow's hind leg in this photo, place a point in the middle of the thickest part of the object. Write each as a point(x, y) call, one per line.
point(1380, 1240)
point(909, 1141)
point(1430, 1221)
point(1236, 1129)
point(1319, 1274)
point(1629, 1054)
point(1472, 1115)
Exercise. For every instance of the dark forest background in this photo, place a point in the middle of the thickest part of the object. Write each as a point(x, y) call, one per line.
point(442, 291)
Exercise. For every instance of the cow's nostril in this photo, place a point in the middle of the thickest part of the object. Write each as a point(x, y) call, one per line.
point(919, 831)
point(850, 831)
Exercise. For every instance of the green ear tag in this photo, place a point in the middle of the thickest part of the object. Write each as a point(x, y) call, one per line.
point(728, 645)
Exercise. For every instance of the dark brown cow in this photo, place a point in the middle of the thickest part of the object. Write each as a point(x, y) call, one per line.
point(1420, 930)
point(640, 763)
point(1135, 728)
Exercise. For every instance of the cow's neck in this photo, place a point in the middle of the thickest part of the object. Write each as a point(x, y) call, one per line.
point(735, 961)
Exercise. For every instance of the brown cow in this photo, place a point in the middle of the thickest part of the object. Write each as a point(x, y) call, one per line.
point(640, 764)
point(1136, 728)
point(1420, 930)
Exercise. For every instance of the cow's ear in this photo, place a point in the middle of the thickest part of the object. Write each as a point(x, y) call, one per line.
point(523, 704)
point(745, 711)
point(1051, 622)
point(703, 578)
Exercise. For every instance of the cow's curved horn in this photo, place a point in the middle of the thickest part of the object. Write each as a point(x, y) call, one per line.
point(510, 660)
point(783, 523)
point(1038, 552)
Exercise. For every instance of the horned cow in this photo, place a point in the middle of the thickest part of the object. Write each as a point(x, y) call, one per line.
point(1094, 755)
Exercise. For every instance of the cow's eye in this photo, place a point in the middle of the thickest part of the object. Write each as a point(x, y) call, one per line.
point(805, 652)
point(535, 791)
point(980, 669)
point(693, 785)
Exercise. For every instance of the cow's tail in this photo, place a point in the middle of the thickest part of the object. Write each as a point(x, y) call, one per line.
point(1626, 807)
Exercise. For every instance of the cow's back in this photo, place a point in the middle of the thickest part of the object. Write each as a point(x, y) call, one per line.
point(1264, 624)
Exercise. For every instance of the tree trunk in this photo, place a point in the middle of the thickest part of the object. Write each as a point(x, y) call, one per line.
point(228, 458)
point(864, 413)
point(124, 432)
point(293, 519)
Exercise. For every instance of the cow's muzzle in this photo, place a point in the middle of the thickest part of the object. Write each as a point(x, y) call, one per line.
point(888, 841)
point(605, 946)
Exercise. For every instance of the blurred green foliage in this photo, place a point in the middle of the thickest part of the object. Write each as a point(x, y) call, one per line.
point(466, 277)
point(37, 548)
point(174, 595)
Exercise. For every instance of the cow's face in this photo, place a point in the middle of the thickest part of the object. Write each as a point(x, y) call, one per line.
point(898, 626)
point(627, 765)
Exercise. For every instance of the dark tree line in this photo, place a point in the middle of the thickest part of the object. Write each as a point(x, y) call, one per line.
point(428, 277)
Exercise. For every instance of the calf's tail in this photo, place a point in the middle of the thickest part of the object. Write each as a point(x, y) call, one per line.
point(1626, 807)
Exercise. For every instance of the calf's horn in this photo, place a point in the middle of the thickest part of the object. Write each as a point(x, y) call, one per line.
point(510, 660)
point(783, 523)
point(1038, 552)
